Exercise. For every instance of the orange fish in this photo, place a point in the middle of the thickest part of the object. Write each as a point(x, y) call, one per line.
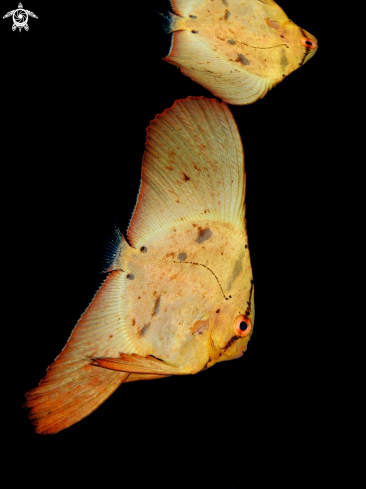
point(179, 297)
point(237, 49)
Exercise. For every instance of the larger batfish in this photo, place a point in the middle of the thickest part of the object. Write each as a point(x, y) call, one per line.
point(179, 296)
point(237, 49)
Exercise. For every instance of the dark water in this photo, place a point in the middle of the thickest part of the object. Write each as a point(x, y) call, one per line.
point(81, 86)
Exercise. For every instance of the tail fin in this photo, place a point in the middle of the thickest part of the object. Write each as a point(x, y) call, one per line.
point(165, 20)
point(72, 388)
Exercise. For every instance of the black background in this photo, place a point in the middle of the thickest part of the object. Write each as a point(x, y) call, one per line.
point(79, 89)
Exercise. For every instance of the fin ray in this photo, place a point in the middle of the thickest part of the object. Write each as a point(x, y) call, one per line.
point(72, 388)
point(189, 148)
point(223, 79)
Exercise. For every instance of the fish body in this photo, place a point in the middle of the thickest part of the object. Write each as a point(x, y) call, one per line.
point(179, 295)
point(237, 49)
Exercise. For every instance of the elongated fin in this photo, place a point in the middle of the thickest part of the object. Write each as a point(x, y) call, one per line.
point(137, 364)
point(192, 169)
point(185, 7)
point(226, 79)
point(136, 377)
point(72, 388)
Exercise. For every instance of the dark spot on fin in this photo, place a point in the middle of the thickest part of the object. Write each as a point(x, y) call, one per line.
point(231, 41)
point(242, 59)
point(182, 256)
point(193, 17)
point(156, 307)
point(203, 235)
point(143, 249)
point(224, 2)
point(186, 177)
point(227, 14)
point(193, 32)
point(130, 276)
point(144, 329)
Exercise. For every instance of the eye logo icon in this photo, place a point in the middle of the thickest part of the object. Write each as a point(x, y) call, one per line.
point(20, 17)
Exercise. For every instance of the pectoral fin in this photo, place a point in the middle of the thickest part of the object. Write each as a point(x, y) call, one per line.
point(137, 364)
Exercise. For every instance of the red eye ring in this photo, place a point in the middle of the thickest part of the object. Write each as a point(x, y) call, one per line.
point(242, 326)
point(308, 43)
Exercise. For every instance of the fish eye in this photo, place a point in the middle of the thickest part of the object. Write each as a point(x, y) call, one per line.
point(242, 326)
point(308, 43)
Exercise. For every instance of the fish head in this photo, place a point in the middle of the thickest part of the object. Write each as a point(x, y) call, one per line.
point(298, 45)
point(233, 325)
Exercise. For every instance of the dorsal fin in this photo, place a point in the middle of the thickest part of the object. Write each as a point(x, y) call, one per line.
point(192, 169)
point(184, 7)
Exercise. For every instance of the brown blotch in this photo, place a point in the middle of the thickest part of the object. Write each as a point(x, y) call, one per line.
point(218, 310)
point(194, 225)
point(186, 177)
point(224, 2)
point(133, 322)
point(177, 201)
point(231, 41)
point(194, 32)
point(181, 257)
point(242, 59)
point(170, 254)
point(230, 342)
point(111, 336)
point(144, 329)
point(156, 307)
point(130, 276)
point(203, 235)
point(169, 168)
point(246, 246)
point(143, 249)
point(196, 167)
point(227, 14)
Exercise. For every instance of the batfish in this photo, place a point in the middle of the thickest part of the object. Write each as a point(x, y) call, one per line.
point(179, 294)
point(237, 49)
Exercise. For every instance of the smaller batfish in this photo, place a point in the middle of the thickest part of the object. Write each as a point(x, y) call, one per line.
point(237, 49)
point(179, 295)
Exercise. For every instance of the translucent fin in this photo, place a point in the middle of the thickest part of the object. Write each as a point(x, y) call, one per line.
point(185, 7)
point(192, 169)
point(225, 79)
point(111, 246)
point(72, 388)
point(137, 364)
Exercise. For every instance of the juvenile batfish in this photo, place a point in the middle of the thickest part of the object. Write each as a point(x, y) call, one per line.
point(237, 49)
point(178, 297)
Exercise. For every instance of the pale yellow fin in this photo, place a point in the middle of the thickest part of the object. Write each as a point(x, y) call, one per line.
point(192, 169)
point(185, 7)
point(72, 388)
point(227, 80)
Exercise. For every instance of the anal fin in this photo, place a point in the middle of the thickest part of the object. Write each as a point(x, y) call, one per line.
point(138, 364)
